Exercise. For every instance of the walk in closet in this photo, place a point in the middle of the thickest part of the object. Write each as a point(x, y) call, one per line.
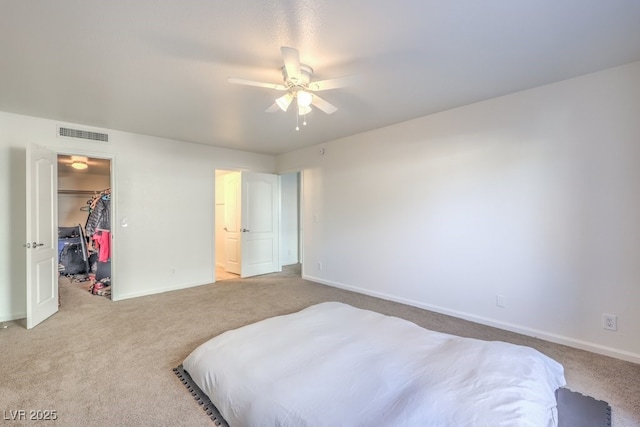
point(84, 223)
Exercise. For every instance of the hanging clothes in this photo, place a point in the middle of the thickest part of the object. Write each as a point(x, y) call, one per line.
point(100, 213)
point(97, 229)
point(102, 242)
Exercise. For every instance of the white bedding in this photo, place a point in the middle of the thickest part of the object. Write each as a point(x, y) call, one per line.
point(335, 365)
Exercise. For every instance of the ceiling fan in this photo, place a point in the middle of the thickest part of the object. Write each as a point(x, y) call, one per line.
point(298, 85)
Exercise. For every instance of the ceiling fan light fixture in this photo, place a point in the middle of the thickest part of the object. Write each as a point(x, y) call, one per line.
point(79, 162)
point(304, 98)
point(302, 110)
point(298, 84)
point(284, 101)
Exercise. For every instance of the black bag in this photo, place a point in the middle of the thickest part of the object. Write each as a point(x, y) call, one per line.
point(72, 258)
point(103, 270)
point(68, 232)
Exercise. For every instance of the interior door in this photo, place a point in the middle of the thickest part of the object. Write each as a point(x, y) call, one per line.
point(41, 244)
point(259, 230)
point(232, 242)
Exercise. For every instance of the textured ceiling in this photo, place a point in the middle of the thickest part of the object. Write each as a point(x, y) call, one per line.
point(160, 67)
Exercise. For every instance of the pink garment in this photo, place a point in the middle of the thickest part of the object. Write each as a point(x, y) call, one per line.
point(102, 240)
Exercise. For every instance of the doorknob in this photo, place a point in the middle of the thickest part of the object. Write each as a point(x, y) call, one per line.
point(244, 230)
point(225, 229)
point(35, 245)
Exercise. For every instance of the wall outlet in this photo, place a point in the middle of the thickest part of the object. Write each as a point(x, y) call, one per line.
point(319, 266)
point(610, 322)
point(501, 301)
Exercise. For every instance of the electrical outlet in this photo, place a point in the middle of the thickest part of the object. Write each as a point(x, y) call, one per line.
point(319, 266)
point(501, 301)
point(610, 322)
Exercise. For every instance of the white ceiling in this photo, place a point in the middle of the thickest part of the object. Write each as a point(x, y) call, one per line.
point(96, 166)
point(160, 67)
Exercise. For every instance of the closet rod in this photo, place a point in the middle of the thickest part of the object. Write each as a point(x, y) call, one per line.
point(81, 192)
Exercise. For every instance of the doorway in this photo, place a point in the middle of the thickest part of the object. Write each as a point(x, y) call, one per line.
point(291, 220)
point(227, 250)
point(247, 224)
point(84, 223)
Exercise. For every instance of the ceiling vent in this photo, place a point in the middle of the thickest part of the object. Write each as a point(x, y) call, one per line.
point(83, 134)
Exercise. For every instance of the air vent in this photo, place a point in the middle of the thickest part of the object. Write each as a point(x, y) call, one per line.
point(83, 134)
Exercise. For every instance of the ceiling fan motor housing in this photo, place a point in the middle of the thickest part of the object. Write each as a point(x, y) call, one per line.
point(305, 77)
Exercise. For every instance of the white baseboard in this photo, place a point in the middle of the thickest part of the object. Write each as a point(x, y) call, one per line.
point(14, 316)
point(160, 290)
point(547, 336)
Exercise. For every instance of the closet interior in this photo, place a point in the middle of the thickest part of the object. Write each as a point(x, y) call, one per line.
point(84, 223)
point(227, 255)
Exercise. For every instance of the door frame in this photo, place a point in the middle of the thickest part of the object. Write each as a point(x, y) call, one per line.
point(114, 203)
point(301, 211)
point(300, 172)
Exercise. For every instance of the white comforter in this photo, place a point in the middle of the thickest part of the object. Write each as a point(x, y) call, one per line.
point(335, 365)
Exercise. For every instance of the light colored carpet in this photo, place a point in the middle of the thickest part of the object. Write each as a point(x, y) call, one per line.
point(103, 363)
point(222, 274)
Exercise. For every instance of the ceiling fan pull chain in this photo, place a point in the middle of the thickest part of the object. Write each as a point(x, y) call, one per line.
point(297, 118)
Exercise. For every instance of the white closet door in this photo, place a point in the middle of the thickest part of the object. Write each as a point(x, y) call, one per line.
point(41, 239)
point(259, 230)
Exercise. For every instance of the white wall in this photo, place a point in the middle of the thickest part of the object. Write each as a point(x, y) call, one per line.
point(534, 196)
point(289, 218)
point(164, 188)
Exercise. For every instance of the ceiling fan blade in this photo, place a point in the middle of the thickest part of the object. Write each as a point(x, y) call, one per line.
point(291, 58)
point(258, 84)
point(336, 83)
point(323, 105)
point(284, 101)
point(274, 107)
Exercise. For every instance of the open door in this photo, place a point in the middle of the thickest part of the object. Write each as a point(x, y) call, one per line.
point(259, 229)
point(41, 243)
point(232, 220)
